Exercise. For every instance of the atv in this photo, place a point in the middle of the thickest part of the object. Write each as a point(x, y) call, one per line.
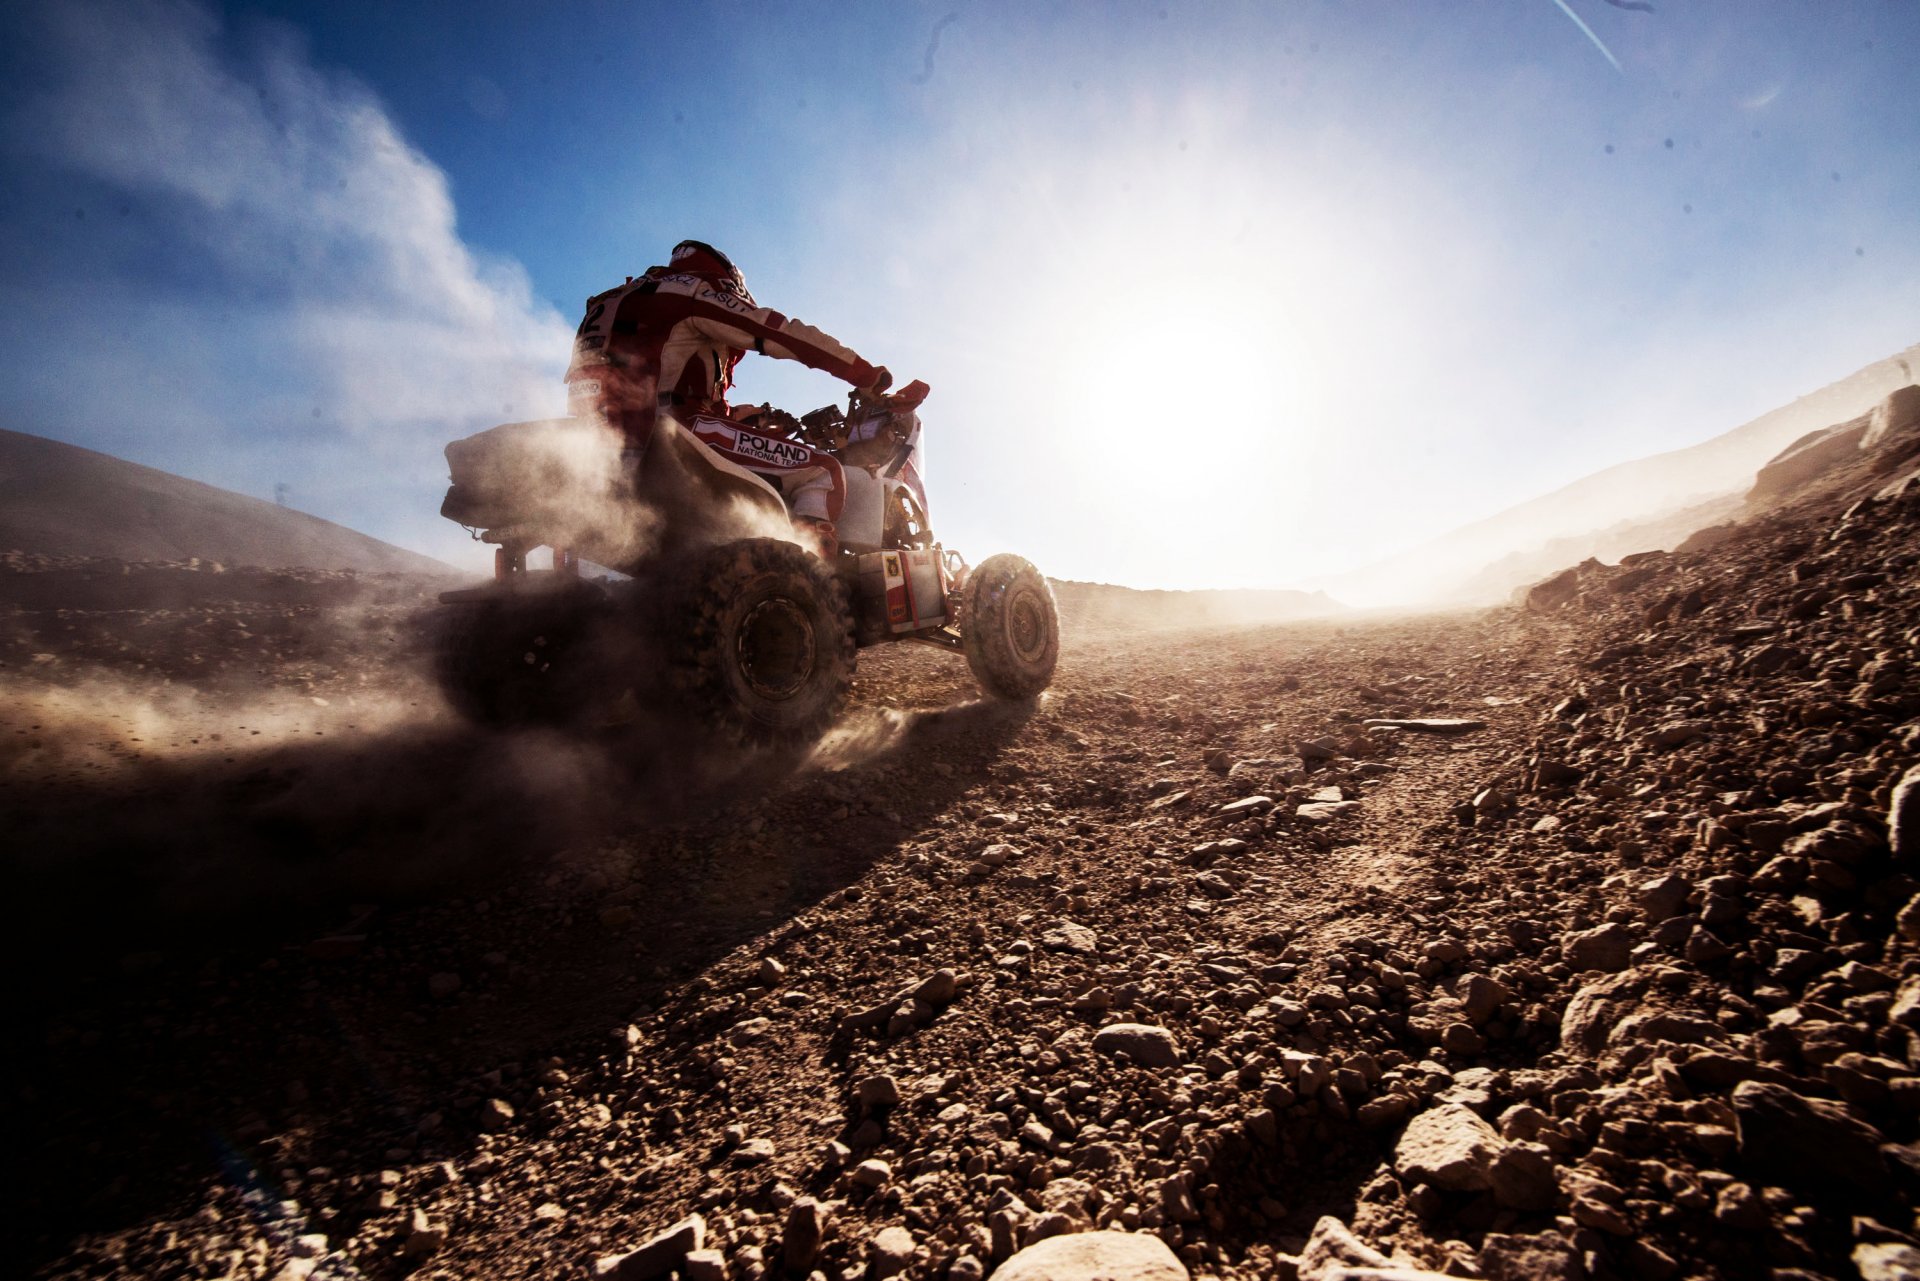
point(711, 603)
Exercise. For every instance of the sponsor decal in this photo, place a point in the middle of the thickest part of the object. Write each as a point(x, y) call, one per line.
point(892, 563)
point(723, 298)
point(772, 450)
point(582, 388)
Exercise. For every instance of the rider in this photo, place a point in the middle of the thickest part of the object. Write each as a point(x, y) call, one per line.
point(667, 343)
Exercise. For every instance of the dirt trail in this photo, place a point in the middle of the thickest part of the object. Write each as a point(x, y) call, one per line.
point(1185, 948)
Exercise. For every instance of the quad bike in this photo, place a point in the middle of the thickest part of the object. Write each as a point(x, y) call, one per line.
point(713, 606)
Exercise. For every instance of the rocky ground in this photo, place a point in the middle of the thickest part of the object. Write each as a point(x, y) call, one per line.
point(1572, 939)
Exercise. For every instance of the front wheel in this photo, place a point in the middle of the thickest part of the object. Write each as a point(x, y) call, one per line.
point(767, 649)
point(1010, 628)
point(520, 662)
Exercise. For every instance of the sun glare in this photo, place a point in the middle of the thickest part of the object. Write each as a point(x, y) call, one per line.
point(1155, 384)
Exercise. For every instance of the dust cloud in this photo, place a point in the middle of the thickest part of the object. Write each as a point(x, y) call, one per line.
point(574, 483)
point(133, 807)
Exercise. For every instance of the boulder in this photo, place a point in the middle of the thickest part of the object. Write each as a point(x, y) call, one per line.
point(1095, 1256)
point(659, 1256)
point(1594, 1010)
point(1428, 726)
point(1886, 1261)
point(1546, 1257)
point(892, 1252)
point(1893, 420)
point(1705, 540)
point(1449, 1147)
point(1552, 593)
point(1809, 457)
point(1810, 1144)
point(1332, 1246)
point(1903, 818)
point(1606, 947)
point(1142, 1043)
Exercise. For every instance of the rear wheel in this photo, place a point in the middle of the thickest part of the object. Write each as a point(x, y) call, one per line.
point(519, 662)
point(767, 648)
point(1010, 628)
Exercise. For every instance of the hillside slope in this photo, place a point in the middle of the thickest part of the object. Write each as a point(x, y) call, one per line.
point(61, 500)
point(1484, 561)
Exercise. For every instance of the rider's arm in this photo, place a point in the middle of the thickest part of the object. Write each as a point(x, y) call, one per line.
point(726, 319)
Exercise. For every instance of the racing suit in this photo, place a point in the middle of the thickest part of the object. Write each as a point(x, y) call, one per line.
point(667, 343)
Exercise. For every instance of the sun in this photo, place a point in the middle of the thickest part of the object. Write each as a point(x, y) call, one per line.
point(1163, 391)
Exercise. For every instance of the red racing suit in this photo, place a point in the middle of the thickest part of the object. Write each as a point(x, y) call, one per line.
point(668, 341)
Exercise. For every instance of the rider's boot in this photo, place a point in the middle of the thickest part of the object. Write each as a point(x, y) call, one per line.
point(817, 536)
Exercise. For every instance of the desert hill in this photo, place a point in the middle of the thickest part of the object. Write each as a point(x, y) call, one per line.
point(1634, 506)
point(1107, 605)
point(58, 499)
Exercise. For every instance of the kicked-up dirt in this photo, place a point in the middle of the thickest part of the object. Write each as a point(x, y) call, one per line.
point(1573, 939)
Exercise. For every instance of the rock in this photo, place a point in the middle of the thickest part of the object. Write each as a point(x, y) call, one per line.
point(1662, 897)
point(1594, 1010)
point(1318, 749)
point(1324, 811)
point(1895, 418)
point(1069, 936)
point(1806, 1143)
point(1905, 1009)
point(1552, 593)
point(1522, 1178)
point(1095, 1256)
point(1807, 458)
point(1493, 802)
point(1000, 854)
point(704, 1265)
point(662, 1254)
point(806, 1228)
point(1482, 997)
point(1606, 947)
point(938, 988)
point(1141, 1043)
point(1428, 726)
point(1908, 921)
point(1887, 1261)
point(754, 1152)
point(892, 1252)
point(747, 1031)
point(1176, 1198)
point(496, 1114)
point(770, 973)
point(1245, 806)
point(1739, 1206)
point(1903, 817)
point(871, 1173)
point(1703, 540)
point(877, 1092)
point(443, 985)
point(1332, 1246)
point(1449, 1147)
point(1547, 1257)
point(1678, 734)
point(424, 1236)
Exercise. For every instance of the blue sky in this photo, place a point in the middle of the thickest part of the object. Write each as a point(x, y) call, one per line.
point(1225, 294)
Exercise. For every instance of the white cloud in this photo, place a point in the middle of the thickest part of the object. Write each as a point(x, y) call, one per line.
point(322, 312)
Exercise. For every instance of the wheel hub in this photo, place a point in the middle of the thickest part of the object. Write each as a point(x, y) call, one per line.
point(1027, 626)
point(775, 648)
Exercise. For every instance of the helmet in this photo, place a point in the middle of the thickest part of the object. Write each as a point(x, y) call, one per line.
point(699, 258)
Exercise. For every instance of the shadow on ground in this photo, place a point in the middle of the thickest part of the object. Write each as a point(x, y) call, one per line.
point(226, 970)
